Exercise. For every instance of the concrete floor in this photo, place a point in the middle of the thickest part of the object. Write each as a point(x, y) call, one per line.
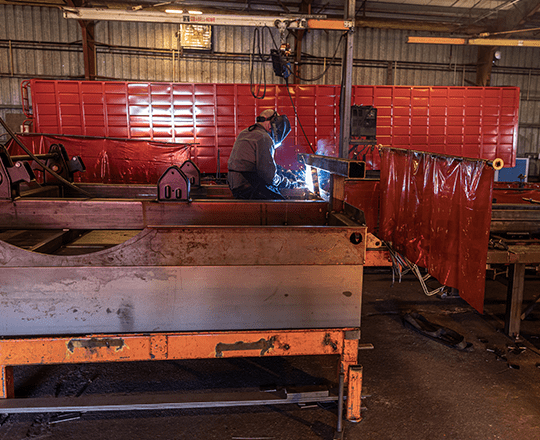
point(414, 388)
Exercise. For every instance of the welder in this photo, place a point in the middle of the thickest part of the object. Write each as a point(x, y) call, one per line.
point(252, 168)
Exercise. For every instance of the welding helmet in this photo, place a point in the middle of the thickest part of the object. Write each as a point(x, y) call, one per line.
point(280, 127)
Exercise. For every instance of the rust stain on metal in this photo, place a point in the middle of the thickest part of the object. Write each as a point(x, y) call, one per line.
point(262, 344)
point(328, 341)
point(94, 344)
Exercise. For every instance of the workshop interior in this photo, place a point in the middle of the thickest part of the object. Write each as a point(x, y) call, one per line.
point(406, 140)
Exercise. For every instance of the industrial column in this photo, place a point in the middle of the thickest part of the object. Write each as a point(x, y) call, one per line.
point(346, 83)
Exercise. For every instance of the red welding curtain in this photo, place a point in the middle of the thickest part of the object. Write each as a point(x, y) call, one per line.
point(112, 160)
point(437, 211)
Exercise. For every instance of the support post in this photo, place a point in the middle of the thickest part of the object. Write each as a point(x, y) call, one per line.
point(354, 393)
point(353, 375)
point(341, 397)
point(305, 8)
point(390, 73)
point(514, 299)
point(346, 84)
point(88, 43)
point(7, 383)
point(298, 55)
point(484, 65)
point(89, 48)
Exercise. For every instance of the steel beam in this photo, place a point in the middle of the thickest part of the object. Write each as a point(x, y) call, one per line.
point(292, 22)
point(175, 346)
point(348, 168)
point(138, 214)
point(515, 218)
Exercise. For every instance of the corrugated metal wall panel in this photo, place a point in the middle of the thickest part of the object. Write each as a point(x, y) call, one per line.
point(42, 25)
point(10, 99)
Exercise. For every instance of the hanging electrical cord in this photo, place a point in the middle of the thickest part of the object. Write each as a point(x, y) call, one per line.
point(327, 67)
point(296, 114)
point(262, 72)
point(304, 79)
point(256, 52)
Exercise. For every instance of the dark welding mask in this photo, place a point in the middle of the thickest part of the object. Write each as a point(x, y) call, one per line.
point(280, 127)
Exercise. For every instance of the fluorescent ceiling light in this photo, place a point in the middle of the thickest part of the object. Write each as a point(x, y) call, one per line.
point(436, 40)
point(174, 11)
point(475, 41)
point(195, 12)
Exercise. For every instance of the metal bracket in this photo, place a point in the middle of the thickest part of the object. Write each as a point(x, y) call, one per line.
point(12, 174)
point(173, 186)
point(59, 162)
point(192, 172)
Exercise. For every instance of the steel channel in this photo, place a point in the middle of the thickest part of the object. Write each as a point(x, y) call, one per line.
point(155, 402)
point(167, 346)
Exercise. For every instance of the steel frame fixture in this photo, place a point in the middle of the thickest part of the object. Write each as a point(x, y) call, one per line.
point(517, 256)
point(204, 278)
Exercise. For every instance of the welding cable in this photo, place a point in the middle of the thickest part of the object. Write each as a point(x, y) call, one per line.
point(400, 261)
point(258, 42)
point(41, 164)
point(327, 67)
point(297, 118)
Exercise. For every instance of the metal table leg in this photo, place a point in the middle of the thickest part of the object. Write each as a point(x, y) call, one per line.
point(7, 386)
point(514, 299)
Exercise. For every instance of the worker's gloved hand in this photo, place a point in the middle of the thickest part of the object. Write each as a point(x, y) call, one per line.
point(288, 179)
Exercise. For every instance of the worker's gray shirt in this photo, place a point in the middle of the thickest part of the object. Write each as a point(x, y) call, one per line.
point(253, 151)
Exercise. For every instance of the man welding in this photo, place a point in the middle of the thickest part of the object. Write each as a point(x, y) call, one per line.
point(252, 168)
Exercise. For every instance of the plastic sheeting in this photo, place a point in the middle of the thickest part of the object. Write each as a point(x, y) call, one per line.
point(436, 211)
point(112, 160)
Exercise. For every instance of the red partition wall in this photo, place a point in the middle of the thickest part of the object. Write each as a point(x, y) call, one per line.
point(474, 122)
point(477, 122)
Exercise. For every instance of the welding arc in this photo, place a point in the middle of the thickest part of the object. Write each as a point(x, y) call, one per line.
point(41, 164)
